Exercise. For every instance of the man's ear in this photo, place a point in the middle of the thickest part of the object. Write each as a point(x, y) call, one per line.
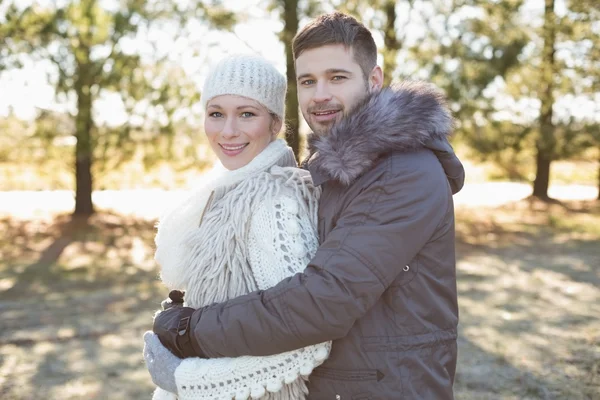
point(376, 79)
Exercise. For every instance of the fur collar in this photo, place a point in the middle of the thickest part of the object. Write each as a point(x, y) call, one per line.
point(403, 117)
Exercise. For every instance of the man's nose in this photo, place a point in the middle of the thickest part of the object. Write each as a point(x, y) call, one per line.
point(322, 93)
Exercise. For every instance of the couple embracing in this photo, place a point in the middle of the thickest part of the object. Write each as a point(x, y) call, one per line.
point(333, 281)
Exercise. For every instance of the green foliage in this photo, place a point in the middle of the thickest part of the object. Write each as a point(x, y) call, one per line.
point(218, 15)
point(13, 130)
point(469, 44)
point(93, 50)
point(489, 58)
point(488, 55)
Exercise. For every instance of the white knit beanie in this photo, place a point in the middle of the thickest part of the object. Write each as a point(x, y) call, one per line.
point(249, 76)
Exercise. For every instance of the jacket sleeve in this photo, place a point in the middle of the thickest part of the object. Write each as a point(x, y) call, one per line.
point(378, 233)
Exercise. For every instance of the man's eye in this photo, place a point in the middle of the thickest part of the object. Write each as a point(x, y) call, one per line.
point(307, 82)
point(215, 114)
point(338, 78)
point(247, 114)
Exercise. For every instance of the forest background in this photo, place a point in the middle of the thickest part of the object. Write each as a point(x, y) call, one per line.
point(101, 127)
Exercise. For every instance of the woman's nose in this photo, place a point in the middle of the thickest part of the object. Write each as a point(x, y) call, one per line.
point(230, 129)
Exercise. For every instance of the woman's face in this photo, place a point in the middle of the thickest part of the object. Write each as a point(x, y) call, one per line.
point(238, 129)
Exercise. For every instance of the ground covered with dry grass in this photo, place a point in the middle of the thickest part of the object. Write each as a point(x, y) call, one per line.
point(529, 284)
point(76, 296)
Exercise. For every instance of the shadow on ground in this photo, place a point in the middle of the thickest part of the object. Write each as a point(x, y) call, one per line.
point(67, 253)
point(75, 299)
point(528, 278)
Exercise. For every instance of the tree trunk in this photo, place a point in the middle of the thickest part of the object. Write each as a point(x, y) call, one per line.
point(542, 175)
point(599, 172)
point(547, 142)
point(292, 135)
point(83, 149)
point(391, 42)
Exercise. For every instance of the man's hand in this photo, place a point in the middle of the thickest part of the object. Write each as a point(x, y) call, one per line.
point(172, 326)
point(161, 363)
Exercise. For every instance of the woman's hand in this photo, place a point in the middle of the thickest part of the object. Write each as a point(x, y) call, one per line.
point(161, 363)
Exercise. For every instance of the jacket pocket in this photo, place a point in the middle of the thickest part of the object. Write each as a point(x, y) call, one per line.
point(349, 375)
point(428, 373)
point(408, 342)
point(338, 384)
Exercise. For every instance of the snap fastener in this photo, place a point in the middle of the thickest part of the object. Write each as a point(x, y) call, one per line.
point(406, 268)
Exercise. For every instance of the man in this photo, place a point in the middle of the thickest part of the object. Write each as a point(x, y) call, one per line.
point(382, 285)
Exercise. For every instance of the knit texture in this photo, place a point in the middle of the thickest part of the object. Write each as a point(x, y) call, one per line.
point(258, 228)
point(280, 235)
point(161, 394)
point(183, 218)
point(161, 363)
point(249, 76)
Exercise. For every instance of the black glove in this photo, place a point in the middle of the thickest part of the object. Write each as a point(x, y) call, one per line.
point(175, 299)
point(173, 328)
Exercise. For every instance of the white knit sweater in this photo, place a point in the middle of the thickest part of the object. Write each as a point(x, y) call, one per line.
point(243, 230)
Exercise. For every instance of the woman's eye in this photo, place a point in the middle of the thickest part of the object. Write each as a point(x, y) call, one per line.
point(215, 114)
point(247, 114)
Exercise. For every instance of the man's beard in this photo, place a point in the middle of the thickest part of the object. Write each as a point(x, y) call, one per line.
point(322, 129)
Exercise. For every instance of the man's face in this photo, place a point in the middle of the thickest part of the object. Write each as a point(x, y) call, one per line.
point(330, 84)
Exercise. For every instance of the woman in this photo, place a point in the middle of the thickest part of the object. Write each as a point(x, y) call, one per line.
point(251, 224)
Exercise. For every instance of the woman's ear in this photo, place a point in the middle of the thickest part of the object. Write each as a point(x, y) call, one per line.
point(276, 125)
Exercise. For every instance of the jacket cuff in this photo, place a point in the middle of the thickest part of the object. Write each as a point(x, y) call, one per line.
point(193, 345)
point(185, 338)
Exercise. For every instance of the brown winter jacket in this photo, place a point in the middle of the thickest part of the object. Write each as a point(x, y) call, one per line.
point(382, 284)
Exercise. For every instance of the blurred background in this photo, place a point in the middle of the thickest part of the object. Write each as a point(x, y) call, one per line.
point(101, 128)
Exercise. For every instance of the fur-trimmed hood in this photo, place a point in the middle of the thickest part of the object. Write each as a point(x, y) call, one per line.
point(404, 117)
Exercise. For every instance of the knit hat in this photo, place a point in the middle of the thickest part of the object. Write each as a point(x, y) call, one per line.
point(249, 76)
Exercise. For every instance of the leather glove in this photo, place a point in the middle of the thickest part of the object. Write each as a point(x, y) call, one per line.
point(173, 328)
point(161, 363)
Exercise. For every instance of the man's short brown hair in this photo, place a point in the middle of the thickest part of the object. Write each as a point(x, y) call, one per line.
point(338, 28)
